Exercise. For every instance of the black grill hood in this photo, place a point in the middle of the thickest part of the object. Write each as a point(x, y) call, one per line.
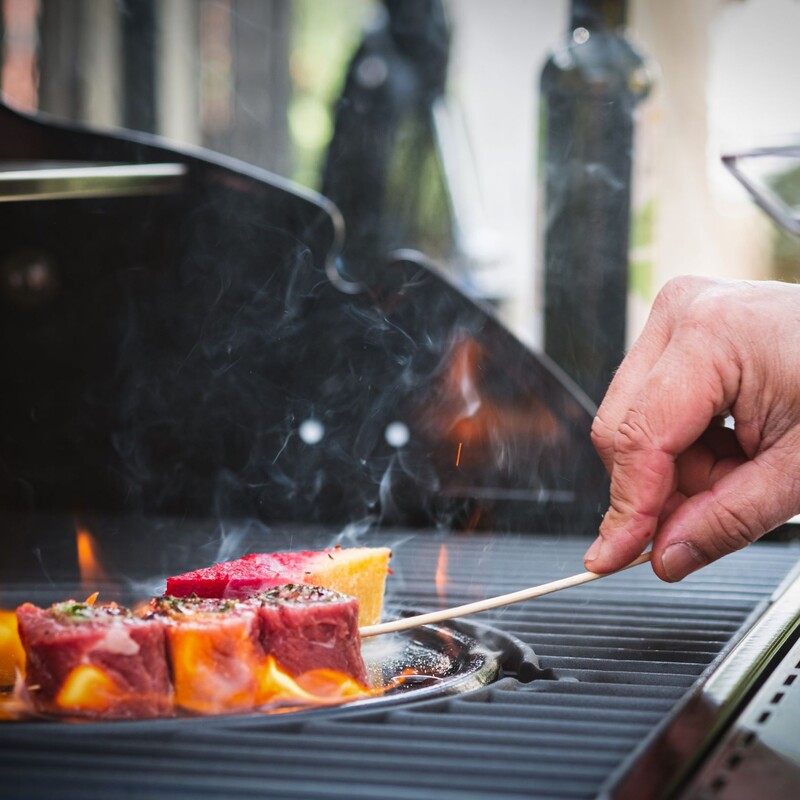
point(164, 343)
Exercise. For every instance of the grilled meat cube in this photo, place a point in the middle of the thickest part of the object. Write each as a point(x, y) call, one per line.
point(94, 661)
point(214, 652)
point(309, 627)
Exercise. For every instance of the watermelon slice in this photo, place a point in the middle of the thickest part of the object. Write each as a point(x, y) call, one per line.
point(358, 572)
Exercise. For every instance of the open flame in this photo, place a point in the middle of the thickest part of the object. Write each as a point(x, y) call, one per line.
point(13, 704)
point(214, 671)
point(315, 687)
point(88, 688)
point(441, 572)
point(89, 564)
point(12, 656)
point(224, 672)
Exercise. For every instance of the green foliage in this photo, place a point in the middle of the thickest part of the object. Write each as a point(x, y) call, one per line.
point(324, 37)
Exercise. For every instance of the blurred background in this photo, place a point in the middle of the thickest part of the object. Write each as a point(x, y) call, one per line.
point(452, 146)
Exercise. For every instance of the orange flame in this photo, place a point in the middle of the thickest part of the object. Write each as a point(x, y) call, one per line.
point(220, 668)
point(315, 687)
point(87, 688)
point(471, 406)
point(213, 670)
point(441, 572)
point(12, 656)
point(201, 686)
point(91, 568)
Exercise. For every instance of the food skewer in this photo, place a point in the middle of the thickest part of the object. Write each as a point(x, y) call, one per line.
point(491, 602)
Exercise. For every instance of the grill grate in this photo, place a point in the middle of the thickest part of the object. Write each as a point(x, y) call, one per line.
point(624, 650)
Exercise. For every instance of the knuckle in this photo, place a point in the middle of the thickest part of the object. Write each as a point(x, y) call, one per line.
point(619, 506)
point(673, 290)
point(711, 319)
point(645, 468)
point(635, 434)
point(636, 531)
point(678, 291)
point(630, 513)
point(705, 313)
point(733, 528)
point(601, 432)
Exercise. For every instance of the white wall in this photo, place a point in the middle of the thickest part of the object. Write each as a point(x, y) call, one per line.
point(726, 75)
point(499, 48)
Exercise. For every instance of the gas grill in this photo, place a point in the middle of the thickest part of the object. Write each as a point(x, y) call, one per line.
point(192, 375)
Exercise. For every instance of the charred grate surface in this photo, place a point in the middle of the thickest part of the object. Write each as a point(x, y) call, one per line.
point(623, 650)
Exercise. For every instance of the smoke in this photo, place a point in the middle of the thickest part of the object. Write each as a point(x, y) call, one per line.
point(353, 533)
point(246, 386)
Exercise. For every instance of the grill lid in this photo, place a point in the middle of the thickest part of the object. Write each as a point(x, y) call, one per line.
point(196, 351)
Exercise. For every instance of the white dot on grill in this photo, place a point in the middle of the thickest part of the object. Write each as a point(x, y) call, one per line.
point(397, 434)
point(311, 431)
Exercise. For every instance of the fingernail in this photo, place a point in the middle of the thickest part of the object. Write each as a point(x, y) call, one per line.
point(594, 551)
point(679, 559)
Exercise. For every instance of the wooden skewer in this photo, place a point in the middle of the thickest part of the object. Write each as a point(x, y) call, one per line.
point(491, 602)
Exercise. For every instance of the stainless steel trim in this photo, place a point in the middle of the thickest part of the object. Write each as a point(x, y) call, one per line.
point(742, 666)
point(28, 182)
point(759, 754)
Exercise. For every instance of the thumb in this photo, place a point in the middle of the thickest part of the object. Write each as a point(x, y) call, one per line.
point(741, 507)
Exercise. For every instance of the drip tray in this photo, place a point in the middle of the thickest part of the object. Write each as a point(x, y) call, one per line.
point(451, 659)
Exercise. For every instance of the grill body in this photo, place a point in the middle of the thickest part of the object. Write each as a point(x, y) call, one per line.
point(164, 350)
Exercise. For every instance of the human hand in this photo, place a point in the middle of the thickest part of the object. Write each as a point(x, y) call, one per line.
point(710, 349)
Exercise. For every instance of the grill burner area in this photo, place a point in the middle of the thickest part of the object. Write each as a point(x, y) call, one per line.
point(619, 655)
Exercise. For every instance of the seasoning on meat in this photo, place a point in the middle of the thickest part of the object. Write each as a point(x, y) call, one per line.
point(308, 628)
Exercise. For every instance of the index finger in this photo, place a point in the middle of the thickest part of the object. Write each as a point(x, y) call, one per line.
point(684, 391)
point(668, 309)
